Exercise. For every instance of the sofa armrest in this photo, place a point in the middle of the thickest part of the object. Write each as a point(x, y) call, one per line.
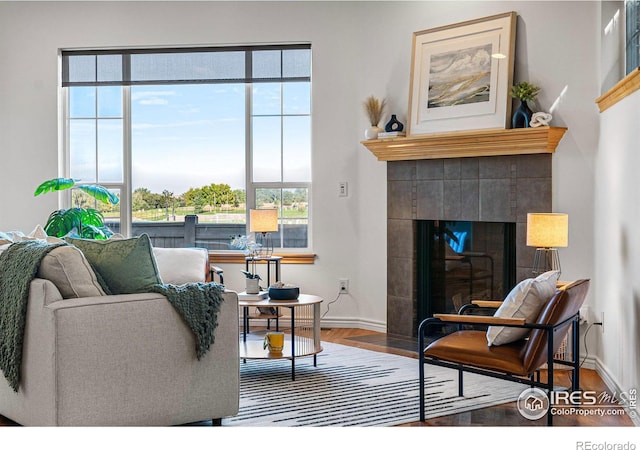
point(123, 360)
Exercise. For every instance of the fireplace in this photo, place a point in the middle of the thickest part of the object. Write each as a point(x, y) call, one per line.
point(428, 201)
point(458, 261)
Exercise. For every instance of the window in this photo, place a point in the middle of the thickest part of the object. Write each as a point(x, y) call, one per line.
point(191, 139)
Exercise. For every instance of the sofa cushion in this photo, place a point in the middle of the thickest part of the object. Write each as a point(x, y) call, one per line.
point(524, 301)
point(69, 270)
point(123, 266)
point(181, 265)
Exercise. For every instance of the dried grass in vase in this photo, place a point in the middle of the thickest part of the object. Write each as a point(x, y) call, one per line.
point(374, 109)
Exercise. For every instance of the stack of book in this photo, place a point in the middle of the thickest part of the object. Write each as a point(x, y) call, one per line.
point(391, 134)
point(244, 297)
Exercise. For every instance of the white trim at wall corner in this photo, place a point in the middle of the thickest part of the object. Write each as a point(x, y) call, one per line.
point(611, 383)
point(353, 322)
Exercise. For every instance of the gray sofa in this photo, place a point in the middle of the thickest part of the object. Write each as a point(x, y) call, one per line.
point(122, 360)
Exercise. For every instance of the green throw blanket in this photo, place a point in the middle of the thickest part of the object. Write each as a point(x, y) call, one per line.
point(197, 303)
point(18, 266)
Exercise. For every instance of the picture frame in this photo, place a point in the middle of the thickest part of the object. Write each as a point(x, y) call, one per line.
point(461, 75)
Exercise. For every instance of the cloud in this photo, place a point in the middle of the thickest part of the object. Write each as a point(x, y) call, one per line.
point(148, 126)
point(154, 101)
point(137, 95)
point(151, 98)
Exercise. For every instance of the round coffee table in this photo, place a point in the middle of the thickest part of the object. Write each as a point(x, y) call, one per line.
point(304, 339)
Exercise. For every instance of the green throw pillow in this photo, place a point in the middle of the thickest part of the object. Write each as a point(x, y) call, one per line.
point(125, 266)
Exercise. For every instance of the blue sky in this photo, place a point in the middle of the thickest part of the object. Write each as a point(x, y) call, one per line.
point(192, 135)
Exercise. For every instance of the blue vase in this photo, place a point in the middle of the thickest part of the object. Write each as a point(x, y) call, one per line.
point(393, 125)
point(522, 116)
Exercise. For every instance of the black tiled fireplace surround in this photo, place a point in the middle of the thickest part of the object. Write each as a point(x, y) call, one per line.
point(493, 189)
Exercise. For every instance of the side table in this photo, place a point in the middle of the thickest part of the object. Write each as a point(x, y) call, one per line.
point(268, 260)
point(304, 339)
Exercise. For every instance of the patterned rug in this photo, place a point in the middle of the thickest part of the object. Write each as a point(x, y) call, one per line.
point(356, 387)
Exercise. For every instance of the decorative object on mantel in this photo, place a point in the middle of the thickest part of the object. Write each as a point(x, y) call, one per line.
point(540, 119)
point(460, 76)
point(525, 92)
point(393, 125)
point(374, 109)
point(391, 134)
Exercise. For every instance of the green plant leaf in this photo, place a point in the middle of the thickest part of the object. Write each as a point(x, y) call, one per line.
point(62, 221)
point(56, 184)
point(93, 232)
point(100, 193)
point(251, 275)
point(90, 216)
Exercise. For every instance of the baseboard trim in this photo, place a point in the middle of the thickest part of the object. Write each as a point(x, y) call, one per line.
point(353, 322)
point(380, 327)
point(609, 379)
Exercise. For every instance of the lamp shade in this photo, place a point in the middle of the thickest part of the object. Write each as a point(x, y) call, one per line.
point(263, 220)
point(547, 230)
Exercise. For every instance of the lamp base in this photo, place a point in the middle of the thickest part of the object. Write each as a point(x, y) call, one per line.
point(265, 243)
point(546, 259)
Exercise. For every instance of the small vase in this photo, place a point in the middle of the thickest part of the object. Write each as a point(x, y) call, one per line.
point(372, 132)
point(522, 116)
point(393, 125)
point(253, 286)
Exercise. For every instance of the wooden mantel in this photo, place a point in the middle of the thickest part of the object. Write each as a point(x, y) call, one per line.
point(459, 144)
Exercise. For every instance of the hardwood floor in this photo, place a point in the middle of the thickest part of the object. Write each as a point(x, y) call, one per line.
point(501, 415)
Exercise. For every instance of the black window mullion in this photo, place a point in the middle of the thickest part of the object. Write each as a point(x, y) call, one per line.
point(126, 68)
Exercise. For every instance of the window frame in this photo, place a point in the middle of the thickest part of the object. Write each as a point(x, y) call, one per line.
point(126, 186)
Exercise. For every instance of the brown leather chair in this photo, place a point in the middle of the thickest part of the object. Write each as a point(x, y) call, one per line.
point(466, 350)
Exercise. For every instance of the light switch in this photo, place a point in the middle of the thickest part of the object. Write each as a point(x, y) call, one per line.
point(343, 189)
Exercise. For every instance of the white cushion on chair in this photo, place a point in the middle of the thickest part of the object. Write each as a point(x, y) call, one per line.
point(524, 301)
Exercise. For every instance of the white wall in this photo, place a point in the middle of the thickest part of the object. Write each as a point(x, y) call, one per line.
point(617, 246)
point(359, 49)
point(616, 216)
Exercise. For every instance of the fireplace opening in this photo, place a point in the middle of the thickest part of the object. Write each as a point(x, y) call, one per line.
point(458, 261)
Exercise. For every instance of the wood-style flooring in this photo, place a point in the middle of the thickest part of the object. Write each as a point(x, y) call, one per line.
point(501, 415)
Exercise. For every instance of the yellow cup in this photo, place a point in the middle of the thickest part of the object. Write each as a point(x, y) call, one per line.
point(274, 340)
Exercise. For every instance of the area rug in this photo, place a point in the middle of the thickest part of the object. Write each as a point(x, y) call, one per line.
point(356, 387)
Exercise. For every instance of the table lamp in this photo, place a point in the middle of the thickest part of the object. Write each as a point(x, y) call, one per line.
point(547, 232)
point(263, 222)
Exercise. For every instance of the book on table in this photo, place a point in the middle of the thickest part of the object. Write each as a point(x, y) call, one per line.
point(244, 297)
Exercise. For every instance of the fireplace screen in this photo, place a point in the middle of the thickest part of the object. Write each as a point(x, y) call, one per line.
point(458, 261)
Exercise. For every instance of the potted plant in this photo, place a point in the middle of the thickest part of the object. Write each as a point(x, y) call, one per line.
point(80, 222)
point(250, 248)
point(525, 92)
point(373, 107)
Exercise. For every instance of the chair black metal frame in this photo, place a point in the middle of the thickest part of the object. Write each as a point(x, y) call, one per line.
point(533, 378)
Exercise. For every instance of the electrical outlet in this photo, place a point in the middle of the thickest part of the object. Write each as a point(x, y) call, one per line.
point(585, 317)
point(343, 285)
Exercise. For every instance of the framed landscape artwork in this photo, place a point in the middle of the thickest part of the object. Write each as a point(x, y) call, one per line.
point(461, 75)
